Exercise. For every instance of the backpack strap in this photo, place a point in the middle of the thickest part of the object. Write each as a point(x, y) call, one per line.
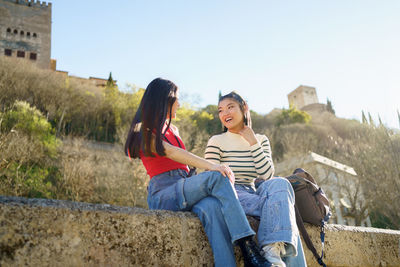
point(307, 239)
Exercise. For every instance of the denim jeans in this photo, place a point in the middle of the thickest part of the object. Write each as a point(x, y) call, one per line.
point(212, 197)
point(273, 203)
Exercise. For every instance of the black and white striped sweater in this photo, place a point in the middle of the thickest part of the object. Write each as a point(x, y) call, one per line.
point(247, 162)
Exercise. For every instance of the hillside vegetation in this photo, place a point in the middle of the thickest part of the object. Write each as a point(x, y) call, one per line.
point(62, 138)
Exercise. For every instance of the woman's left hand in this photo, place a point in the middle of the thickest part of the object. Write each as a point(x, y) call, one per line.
point(249, 135)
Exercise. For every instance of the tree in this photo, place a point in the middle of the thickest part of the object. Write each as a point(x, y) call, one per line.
point(398, 116)
point(371, 121)
point(364, 118)
point(292, 115)
point(110, 81)
point(329, 107)
point(380, 121)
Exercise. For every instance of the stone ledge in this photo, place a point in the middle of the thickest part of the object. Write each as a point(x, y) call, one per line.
point(41, 232)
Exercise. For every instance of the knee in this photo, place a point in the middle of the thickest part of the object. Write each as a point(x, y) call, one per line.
point(207, 207)
point(217, 177)
point(281, 181)
point(278, 184)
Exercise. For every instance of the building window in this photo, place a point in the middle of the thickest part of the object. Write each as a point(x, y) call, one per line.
point(21, 32)
point(8, 30)
point(33, 56)
point(20, 53)
point(15, 31)
point(34, 35)
point(8, 52)
point(28, 34)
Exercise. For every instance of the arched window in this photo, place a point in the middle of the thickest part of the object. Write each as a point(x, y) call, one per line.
point(21, 32)
point(15, 31)
point(28, 34)
point(8, 30)
point(34, 35)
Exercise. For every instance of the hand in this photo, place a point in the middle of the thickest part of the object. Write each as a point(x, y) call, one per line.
point(225, 171)
point(249, 135)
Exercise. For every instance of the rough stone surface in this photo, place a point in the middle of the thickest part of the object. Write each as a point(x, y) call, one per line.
point(38, 232)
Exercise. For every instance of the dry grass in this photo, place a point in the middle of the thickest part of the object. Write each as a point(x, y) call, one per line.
point(83, 171)
point(100, 173)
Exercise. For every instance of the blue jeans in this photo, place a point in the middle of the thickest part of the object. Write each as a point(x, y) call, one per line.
point(273, 203)
point(212, 198)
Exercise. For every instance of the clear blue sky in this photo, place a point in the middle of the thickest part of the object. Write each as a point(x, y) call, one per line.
point(348, 50)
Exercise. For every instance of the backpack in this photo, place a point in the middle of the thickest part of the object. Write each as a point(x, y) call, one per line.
point(311, 206)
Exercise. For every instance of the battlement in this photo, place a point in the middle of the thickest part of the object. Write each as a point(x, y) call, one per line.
point(32, 3)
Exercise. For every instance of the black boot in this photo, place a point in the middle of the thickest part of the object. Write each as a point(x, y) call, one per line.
point(251, 253)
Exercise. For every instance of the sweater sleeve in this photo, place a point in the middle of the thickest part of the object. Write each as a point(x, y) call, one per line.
point(213, 151)
point(261, 153)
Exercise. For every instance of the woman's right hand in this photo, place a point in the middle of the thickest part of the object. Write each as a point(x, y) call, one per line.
point(225, 171)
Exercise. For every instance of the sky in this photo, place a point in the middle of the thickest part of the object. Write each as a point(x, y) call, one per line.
point(348, 50)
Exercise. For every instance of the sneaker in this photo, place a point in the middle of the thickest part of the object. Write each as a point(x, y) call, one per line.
point(273, 252)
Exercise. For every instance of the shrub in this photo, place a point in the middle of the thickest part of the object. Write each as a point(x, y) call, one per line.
point(292, 115)
point(28, 148)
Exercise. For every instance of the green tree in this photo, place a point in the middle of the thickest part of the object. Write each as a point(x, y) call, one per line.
point(398, 116)
point(110, 81)
point(371, 121)
point(364, 118)
point(292, 115)
point(329, 106)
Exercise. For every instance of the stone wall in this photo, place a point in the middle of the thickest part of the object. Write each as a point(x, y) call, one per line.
point(37, 232)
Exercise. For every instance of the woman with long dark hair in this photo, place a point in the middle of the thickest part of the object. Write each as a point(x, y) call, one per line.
point(249, 156)
point(210, 195)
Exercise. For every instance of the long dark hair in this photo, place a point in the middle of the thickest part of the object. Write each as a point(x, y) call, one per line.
point(150, 118)
point(237, 98)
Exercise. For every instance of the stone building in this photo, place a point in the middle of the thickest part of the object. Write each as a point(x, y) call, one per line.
point(25, 31)
point(303, 96)
point(337, 180)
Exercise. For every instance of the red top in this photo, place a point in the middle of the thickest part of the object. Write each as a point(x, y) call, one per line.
point(159, 164)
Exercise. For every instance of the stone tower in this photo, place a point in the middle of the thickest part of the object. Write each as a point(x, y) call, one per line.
point(25, 31)
point(303, 96)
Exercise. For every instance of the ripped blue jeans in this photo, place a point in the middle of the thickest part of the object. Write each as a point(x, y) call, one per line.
point(273, 203)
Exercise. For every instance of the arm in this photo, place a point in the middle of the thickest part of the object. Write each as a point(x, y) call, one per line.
point(182, 156)
point(261, 153)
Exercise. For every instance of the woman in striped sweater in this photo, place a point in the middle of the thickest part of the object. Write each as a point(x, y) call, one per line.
point(249, 156)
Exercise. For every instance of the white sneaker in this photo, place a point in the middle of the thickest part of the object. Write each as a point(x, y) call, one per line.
point(273, 252)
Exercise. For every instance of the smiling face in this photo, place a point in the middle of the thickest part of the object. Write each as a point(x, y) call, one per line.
point(230, 115)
